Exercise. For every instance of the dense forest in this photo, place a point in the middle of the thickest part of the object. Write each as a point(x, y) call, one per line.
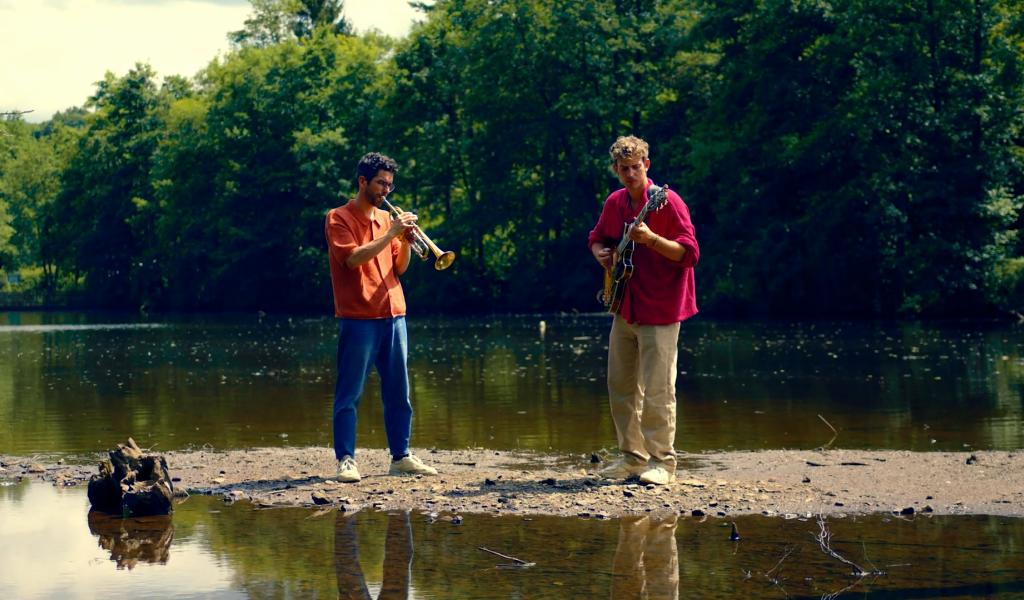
point(848, 158)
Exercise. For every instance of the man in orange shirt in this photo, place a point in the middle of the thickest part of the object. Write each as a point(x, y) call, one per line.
point(368, 251)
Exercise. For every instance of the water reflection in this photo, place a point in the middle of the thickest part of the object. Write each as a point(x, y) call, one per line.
point(646, 559)
point(76, 385)
point(397, 571)
point(146, 539)
point(50, 547)
point(48, 550)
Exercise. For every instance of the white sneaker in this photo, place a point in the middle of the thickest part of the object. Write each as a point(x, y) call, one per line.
point(410, 465)
point(621, 469)
point(657, 475)
point(347, 470)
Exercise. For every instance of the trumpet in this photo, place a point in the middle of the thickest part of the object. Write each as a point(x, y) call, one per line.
point(422, 245)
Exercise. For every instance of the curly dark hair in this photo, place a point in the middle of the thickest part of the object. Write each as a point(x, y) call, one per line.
point(374, 162)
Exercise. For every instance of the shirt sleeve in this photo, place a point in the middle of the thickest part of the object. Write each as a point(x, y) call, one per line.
point(679, 228)
point(608, 229)
point(341, 241)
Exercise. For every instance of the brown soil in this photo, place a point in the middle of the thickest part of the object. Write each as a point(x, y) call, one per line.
point(773, 482)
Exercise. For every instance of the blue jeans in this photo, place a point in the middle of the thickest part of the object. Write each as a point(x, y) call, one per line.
point(362, 344)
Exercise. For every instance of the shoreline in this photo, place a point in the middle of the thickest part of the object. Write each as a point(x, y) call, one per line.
point(783, 483)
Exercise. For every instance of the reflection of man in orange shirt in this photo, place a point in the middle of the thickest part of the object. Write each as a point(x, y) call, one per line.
point(368, 251)
point(398, 552)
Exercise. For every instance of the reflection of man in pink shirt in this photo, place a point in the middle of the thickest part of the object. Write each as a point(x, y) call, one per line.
point(643, 344)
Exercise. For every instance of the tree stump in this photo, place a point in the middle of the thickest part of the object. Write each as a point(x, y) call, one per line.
point(132, 484)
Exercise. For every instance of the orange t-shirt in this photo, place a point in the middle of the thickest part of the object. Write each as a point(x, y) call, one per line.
point(371, 290)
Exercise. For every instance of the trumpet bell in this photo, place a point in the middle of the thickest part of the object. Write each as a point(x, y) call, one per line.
point(444, 261)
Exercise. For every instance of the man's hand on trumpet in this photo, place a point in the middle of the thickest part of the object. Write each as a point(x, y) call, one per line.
point(402, 225)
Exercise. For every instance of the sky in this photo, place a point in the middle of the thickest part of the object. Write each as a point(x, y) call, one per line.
point(54, 51)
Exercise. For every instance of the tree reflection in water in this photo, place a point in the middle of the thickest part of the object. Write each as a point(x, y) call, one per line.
point(646, 563)
point(397, 558)
point(146, 539)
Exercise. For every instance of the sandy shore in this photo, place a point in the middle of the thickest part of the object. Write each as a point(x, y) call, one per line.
point(773, 482)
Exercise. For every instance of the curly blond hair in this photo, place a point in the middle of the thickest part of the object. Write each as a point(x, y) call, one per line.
point(628, 147)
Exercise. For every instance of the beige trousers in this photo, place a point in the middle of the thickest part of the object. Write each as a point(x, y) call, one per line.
point(642, 390)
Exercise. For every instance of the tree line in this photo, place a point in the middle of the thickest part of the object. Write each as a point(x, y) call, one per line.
point(850, 158)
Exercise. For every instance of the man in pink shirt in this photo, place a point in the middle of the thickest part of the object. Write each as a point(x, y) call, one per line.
point(643, 344)
point(368, 251)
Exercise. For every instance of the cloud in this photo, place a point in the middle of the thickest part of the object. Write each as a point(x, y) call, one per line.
point(159, 2)
point(56, 50)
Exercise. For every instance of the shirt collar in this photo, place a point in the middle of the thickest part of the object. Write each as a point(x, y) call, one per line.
point(627, 201)
point(375, 215)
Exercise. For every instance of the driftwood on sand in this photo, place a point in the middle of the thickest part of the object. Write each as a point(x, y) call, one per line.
point(132, 483)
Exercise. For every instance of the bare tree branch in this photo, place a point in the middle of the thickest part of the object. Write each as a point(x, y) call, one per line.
point(824, 538)
point(835, 433)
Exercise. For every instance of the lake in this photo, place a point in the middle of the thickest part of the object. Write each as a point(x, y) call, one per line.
point(78, 383)
point(50, 547)
point(72, 385)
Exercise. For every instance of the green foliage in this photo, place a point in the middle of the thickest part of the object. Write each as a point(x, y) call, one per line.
point(320, 13)
point(247, 170)
point(276, 21)
point(506, 109)
point(7, 156)
point(104, 214)
point(851, 158)
point(849, 152)
point(31, 161)
point(1009, 283)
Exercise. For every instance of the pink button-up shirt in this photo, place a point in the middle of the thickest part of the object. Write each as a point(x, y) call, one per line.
point(660, 291)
